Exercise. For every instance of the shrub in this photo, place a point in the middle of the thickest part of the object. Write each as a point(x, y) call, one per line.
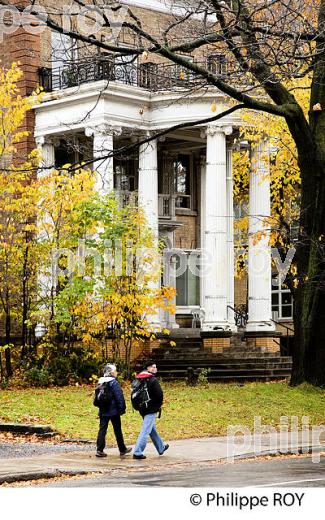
point(38, 376)
point(61, 366)
point(60, 370)
point(203, 376)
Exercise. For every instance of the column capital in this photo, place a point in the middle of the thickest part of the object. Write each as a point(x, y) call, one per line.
point(103, 129)
point(212, 130)
point(40, 141)
point(145, 134)
point(43, 140)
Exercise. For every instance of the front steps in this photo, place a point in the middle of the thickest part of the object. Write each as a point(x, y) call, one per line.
point(236, 363)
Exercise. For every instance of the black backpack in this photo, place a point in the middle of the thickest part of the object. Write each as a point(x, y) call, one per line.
point(103, 395)
point(139, 395)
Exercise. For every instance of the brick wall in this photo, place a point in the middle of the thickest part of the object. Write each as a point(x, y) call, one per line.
point(186, 235)
point(266, 344)
point(241, 290)
point(216, 344)
point(24, 48)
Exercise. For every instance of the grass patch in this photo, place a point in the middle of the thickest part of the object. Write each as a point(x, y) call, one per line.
point(188, 412)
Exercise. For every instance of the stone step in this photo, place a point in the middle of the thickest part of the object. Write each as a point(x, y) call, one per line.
point(228, 369)
point(236, 378)
point(185, 346)
point(183, 333)
point(225, 366)
point(215, 357)
point(233, 364)
point(218, 357)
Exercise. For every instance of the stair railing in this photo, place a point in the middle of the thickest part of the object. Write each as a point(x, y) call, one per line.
point(240, 315)
point(288, 329)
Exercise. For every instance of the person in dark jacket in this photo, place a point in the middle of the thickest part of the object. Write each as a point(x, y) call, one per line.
point(112, 413)
point(149, 417)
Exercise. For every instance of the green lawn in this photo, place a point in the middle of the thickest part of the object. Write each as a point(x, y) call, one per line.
point(188, 412)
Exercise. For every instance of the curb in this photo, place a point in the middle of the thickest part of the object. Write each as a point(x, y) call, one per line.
point(299, 450)
point(37, 429)
point(25, 477)
point(78, 441)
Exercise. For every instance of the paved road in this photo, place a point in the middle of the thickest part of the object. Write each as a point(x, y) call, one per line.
point(298, 472)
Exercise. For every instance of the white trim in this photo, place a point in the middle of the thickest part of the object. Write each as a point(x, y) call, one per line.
point(155, 5)
point(186, 309)
point(119, 105)
point(165, 6)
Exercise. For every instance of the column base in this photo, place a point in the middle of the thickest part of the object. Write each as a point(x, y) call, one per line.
point(233, 327)
point(267, 342)
point(169, 325)
point(216, 340)
point(222, 326)
point(260, 326)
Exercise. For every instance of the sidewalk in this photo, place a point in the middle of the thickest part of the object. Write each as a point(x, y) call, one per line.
point(188, 451)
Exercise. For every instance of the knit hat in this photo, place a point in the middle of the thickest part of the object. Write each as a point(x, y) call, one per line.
point(109, 369)
point(148, 363)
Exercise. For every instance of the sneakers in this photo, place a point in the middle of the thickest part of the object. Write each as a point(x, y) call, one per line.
point(165, 449)
point(100, 454)
point(139, 457)
point(125, 452)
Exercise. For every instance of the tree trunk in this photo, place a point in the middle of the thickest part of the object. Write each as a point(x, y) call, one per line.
point(24, 330)
point(8, 341)
point(309, 315)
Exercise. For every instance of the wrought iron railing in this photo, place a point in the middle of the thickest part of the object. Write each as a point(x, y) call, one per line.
point(240, 315)
point(148, 75)
point(127, 198)
point(285, 346)
point(166, 203)
point(166, 206)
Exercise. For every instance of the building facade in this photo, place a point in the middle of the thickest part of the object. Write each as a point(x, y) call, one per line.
point(183, 179)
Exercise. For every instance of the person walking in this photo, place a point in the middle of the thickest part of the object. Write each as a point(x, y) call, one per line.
point(149, 410)
point(111, 412)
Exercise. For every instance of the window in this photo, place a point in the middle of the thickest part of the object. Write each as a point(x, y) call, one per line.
point(64, 55)
point(64, 50)
point(182, 181)
point(282, 302)
point(217, 64)
point(188, 281)
point(182, 74)
point(124, 175)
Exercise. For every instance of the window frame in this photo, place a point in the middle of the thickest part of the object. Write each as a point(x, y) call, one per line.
point(280, 291)
point(186, 308)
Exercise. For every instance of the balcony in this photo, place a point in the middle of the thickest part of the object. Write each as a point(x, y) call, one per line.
point(167, 204)
point(151, 76)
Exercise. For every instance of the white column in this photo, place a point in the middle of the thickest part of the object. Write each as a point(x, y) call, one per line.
point(103, 145)
point(215, 260)
point(259, 251)
point(169, 320)
point(148, 183)
point(46, 148)
point(202, 219)
point(230, 241)
point(148, 201)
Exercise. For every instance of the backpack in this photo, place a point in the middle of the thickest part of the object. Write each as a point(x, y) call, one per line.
point(103, 395)
point(139, 394)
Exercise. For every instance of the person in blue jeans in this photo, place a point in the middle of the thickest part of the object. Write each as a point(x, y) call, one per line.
point(156, 398)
